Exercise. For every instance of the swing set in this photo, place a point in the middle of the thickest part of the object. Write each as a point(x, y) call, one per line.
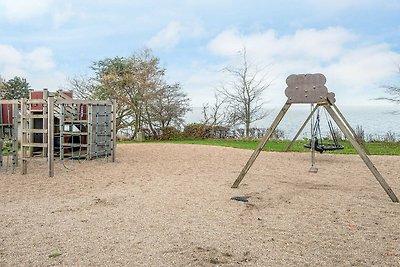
point(317, 142)
point(311, 89)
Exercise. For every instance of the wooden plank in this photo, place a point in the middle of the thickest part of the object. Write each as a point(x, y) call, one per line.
point(75, 156)
point(36, 101)
point(73, 145)
point(3, 101)
point(78, 101)
point(34, 145)
point(34, 116)
point(45, 120)
point(306, 88)
point(61, 128)
point(362, 153)
point(50, 135)
point(43, 131)
point(24, 137)
point(75, 121)
point(67, 133)
point(15, 142)
point(114, 130)
point(261, 145)
point(90, 130)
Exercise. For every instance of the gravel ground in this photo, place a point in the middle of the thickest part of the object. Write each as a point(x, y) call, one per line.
point(170, 205)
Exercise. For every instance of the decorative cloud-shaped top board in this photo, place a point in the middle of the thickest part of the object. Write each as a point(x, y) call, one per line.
point(308, 88)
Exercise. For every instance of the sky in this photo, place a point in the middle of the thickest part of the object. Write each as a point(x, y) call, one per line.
point(354, 43)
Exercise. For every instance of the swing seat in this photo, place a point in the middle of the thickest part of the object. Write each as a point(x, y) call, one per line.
point(324, 147)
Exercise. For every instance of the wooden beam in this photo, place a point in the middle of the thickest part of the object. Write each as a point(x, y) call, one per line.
point(2, 101)
point(43, 131)
point(114, 130)
point(85, 102)
point(15, 134)
point(61, 128)
point(261, 145)
point(50, 135)
point(339, 121)
point(24, 139)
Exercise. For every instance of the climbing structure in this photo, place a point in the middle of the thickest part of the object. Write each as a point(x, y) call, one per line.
point(311, 89)
point(53, 125)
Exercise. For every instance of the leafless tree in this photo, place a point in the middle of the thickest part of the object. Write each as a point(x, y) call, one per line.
point(243, 94)
point(392, 94)
point(215, 114)
point(82, 87)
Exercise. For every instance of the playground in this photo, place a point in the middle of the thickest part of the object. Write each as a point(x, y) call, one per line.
point(170, 205)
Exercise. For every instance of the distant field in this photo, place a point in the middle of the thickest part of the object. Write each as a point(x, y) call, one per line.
point(375, 148)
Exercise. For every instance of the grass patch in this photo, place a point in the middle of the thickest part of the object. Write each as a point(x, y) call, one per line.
point(375, 148)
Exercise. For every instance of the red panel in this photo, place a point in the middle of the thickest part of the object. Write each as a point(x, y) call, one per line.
point(68, 93)
point(7, 113)
point(37, 95)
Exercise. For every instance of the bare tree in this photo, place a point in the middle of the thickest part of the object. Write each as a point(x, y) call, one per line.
point(83, 87)
point(243, 95)
point(215, 115)
point(393, 94)
point(166, 107)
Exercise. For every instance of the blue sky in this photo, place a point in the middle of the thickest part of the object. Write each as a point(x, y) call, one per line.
point(355, 43)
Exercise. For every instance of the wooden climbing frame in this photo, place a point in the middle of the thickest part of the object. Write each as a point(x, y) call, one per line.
point(54, 125)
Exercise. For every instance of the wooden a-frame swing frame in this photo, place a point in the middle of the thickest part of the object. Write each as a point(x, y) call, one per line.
point(326, 102)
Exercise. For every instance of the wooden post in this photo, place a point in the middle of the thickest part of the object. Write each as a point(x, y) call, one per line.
point(114, 130)
point(15, 134)
point(45, 119)
point(24, 139)
point(339, 121)
point(61, 129)
point(261, 145)
point(50, 135)
point(313, 169)
point(89, 131)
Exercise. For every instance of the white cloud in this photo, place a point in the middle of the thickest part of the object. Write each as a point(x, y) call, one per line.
point(41, 58)
point(329, 5)
point(173, 33)
point(167, 37)
point(308, 44)
point(37, 66)
point(56, 12)
point(63, 15)
point(352, 67)
point(18, 10)
point(9, 56)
